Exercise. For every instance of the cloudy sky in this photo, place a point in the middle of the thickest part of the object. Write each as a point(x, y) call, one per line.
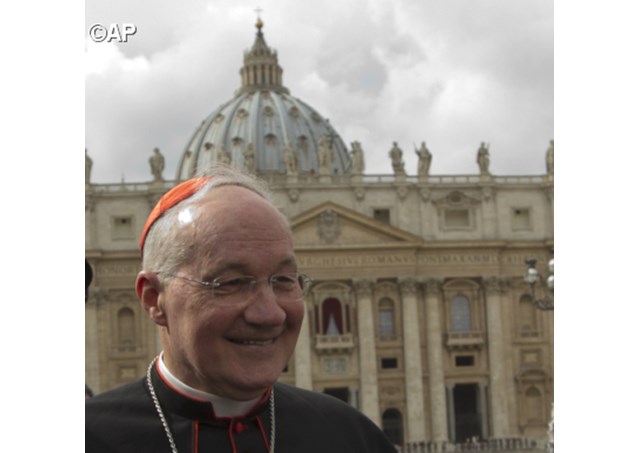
point(452, 73)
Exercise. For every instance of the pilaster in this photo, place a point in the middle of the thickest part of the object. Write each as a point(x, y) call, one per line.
point(482, 408)
point(367, 351)
point(412, 361)
point(451, 411)
point(498, 383)
point(91, 346)
point(437, 392)
point(302, 355)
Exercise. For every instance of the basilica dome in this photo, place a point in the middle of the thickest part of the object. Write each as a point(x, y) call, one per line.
point(264, 129)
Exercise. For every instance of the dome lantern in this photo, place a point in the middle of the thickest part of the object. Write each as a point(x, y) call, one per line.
point(261, 69)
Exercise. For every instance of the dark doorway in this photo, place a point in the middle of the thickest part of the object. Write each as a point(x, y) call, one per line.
point(392, 426)
point(342, 393)
point(467, 416)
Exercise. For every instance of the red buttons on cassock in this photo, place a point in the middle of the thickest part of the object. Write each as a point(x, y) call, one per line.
point(240, 427)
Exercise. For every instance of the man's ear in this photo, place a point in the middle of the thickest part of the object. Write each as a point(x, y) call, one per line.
point(149, 289)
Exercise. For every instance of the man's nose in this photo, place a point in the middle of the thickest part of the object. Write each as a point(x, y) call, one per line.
point(264, 308)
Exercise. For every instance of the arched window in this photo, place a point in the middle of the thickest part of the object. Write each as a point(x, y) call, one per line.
point(460, 314)
point(303, 145)
point(332, 317)
point(386, 319)
point(392, 426)
point(126, 328)
point(270, 153)
point(527, 314)
point(533, 404)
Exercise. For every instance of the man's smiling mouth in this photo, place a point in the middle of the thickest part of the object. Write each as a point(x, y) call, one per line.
point(253, 342)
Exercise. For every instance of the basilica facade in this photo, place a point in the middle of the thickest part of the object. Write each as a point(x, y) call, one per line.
point(418, 315)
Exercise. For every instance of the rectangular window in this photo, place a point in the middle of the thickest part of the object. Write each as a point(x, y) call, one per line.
point(520, 219)
point(121, 227)
point(382, 215)
point(457, 218)
point(389, 363)
point(465, 360)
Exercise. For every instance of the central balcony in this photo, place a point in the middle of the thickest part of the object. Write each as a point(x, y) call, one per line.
point(472, 339)
point(334, 343)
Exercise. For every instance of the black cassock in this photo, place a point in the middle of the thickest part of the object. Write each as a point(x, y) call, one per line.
point(125, 420)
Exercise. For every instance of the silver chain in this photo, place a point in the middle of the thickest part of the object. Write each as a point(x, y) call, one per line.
point(272, 420)
point(165, 425)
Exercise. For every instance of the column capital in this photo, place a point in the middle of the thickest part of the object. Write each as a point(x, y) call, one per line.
point(495, 285)
point(432, 285)
point(408, 285)
point(99, 295)
point(363, 286)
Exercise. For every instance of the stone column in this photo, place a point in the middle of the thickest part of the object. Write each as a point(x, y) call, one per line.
point(353, 396)
point(412, 361)
point(451, 411)
point(369, 404)
point(498, 388)
point(482, 408)
point(302, 357)
point(91, 347)
point(97, 330)
point(437, 392)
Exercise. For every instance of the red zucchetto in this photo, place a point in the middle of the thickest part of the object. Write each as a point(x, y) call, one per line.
point(174, 196)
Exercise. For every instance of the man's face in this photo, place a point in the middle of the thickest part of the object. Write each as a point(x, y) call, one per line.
point(238, 349)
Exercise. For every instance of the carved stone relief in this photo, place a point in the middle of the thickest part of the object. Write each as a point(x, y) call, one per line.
point(329, 226)
point(402, 192)
point(457, 199)
point(335, 366)
point(294, 194)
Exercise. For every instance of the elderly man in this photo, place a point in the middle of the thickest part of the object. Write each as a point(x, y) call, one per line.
point(221, 282)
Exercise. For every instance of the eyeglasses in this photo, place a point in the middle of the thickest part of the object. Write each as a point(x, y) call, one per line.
point(290, 287)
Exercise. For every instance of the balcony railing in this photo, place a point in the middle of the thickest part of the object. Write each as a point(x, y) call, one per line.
point(334, 343)
point(127, 350)
point(331, 180)
point(507, 445)
point(464, 340)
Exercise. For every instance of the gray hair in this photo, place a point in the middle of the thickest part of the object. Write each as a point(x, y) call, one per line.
point(165, 248)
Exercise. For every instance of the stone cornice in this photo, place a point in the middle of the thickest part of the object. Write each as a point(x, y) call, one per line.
point(490, 246)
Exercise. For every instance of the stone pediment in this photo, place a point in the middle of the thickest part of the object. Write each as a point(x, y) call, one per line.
point(330, 224)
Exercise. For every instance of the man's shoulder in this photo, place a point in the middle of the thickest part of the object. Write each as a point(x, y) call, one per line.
point(115, 419)
point(330, 418)
point(125, 398)
point(129, 390)
point(316, 400)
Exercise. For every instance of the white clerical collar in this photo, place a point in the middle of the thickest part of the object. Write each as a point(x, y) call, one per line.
point(222, 407)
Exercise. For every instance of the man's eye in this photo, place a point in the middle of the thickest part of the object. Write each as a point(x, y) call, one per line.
point(230, 285)
point(285, 282)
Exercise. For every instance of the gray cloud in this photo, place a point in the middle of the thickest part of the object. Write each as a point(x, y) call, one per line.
point(452, 74)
